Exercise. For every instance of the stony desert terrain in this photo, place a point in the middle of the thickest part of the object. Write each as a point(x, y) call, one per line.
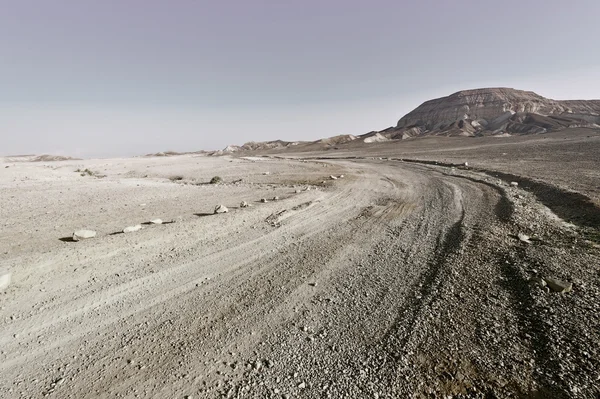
point(399, 279)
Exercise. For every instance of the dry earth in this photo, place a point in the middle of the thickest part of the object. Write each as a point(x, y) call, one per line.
point(399, 280)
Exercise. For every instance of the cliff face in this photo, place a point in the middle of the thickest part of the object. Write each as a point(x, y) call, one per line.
point(498, 110)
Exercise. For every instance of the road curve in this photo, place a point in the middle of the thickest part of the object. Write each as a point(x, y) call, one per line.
point(401, 280)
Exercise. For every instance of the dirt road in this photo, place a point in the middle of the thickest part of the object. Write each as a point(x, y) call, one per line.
point(397, 280)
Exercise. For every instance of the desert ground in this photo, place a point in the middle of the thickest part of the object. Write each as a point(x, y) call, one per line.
point(412, 276)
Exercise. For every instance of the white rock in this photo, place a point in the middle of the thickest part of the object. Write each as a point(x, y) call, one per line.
point(244, 204)
point(333, 177)
point(263, 200)
point(514, 184)
point(156, 221)
point(131, 229)
point(266, 173)
point(341, 177)
point(466, 164)
point(275, 198)
point(83, 234)
point(221, 209)
point(524, 238)
point(5, 278)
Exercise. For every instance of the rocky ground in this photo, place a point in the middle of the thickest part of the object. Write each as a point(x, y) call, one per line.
point(401, 279)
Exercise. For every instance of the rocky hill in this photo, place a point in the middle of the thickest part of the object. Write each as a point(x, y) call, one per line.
point(480, 112)
point(496, 111)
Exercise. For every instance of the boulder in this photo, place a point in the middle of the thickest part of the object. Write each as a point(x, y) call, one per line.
point(333, 177)
point(156, 221)
point(263, 200)
point(221, 209)
point(244, 204)
point(275, 198)
point(131, 229)
point(5, 278)
point(83, 234)
point(514, 184)
point(558, 285)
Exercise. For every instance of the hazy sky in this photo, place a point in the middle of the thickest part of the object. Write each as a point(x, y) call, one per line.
point(126, 77)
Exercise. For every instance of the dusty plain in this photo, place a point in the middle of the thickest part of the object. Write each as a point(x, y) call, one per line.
point(400, 279)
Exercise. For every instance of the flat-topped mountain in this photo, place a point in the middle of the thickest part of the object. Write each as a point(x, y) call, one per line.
point(497, 111)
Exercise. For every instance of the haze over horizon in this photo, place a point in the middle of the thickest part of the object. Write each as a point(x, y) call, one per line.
point(121, 78)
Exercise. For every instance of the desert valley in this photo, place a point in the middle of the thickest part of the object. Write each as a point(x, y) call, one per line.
point(455, 254)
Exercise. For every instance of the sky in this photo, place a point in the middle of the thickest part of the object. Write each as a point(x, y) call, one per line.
point(107, 78)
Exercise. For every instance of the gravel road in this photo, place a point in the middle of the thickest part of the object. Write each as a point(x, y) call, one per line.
point(397, 280)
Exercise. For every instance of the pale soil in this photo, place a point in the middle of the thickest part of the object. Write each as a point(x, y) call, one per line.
point(399, 280)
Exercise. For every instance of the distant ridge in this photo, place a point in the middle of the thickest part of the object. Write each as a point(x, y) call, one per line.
point(500, 112)
point(36, 158)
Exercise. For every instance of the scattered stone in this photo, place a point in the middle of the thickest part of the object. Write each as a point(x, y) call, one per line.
point(263, 200)
point(302, 385)
point(559, 285)
point(221, 209)
point(266, 173)
point(244, 204)
point(131, 229)
point(142, 204)
point(83, 234)
point(466, 164)
point(341, 177)
point(538, 280)
point(524, 238)
point(275, 198)
point(156, 221)
point(5, 277)
point(514, 184)
point(333, 177)
point(298, 191)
